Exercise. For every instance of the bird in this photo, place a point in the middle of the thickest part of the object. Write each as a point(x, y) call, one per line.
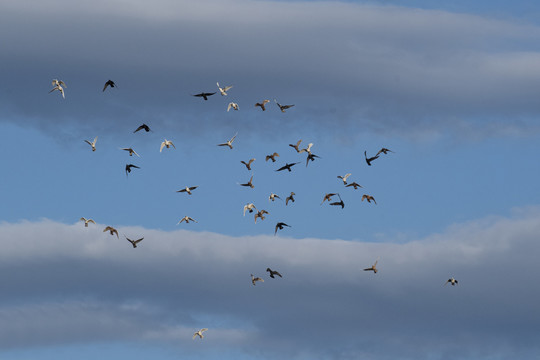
point(143, 127)
point(273, 197)
point(373, 267)
point(260, 214)
point(204, 95)
point(369, 198)
point(384, 151)
point(452, 281)
point(129, 166)
point(338, 203)
point(86, 221)
point(109, 83)
point(92, 144)
point(273, 272)
point(111, 230)
point(255, 279)
point(369, 160)
point(187, 189)
point(354, 185)
point(166, 143)
point(272, 157)
point(187, 219)
point(199, 333)
point(287, 166)
point(134, 242)
point(249, 183)
point(311, 157)
point(57, 82)
point(344, 178)
point(223, 90)
point(280, 226)
point(261, 104)
point(131, 151)
point(283, 107)
point(308, 149)
point(229, 142)
point(249, 207)
point(232, 105)
point(296, 146)
point(328, 197)
point(248, 164)
point(290, 197)
point(58, 86)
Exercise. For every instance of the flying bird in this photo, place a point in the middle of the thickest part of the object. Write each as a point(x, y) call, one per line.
point(255, 279)
point(369, 198)
point(109, 83)
point(204, 95)
point(111, 230)
point(58, 86)
point(223, 90)
point(273, 197)
point(373, 267)
point(199, 333)
point(283, 107)
point(308, 149)
point(280, 226)
point(338, 203)
point(129, 166)
point(311, 157)
point(296, 147)
point(384, 151)
point(273, 273)
point(187, 189)
point(354, 185)
point(261, 104)
point(249, 183)
point(369, 160)
point(166, 143)
point(272, 157)
point(452, 281)
point(92, 144)
point(260, 214)
point(290, 197)
point(187, 219)
point(328, 197)
point(134, 242)
point(249, 207)
point(143, 127)
point(248, 164)
point(287, 166)
point(86, 221)
point(229, 142)
point(344, 178)
point(232, 105)
point(131, 151)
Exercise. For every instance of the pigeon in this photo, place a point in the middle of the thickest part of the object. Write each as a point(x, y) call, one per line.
point(109, 83)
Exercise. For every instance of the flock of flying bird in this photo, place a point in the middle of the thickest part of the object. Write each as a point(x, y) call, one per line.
point(59, 85)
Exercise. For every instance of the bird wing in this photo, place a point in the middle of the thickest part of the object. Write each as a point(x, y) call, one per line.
point(229, 106)
point(162, 146)
point(88, 142)
point(62, 83)
point(82, 219)
point(139, 240)
point(106, 84)
point(90, 221)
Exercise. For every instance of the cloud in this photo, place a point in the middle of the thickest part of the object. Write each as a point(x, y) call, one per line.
point(67, 284)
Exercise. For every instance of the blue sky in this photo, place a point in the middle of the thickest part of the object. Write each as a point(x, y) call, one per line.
point(450, 87)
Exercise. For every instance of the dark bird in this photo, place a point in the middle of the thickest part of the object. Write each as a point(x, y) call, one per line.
point(354, 185)
point(283, 107)
point(255, 279)
point(109, 83)
point(290, 197)
point(373, 267)
point(261, 104)
point(134, 242)
point(311, 157)
point(328, 197)
point(143, 127)
point(187, 189)
point(272, 157)
point(204, 95)
point(452, 281)
point(249, 183)
point(248, 164)
point(280, 226)
point(129, 166)
point(369, 198)
point(296, 147)
point(272, 273)
point(369, 160)
point(287, 166)
point(338, 203)
point(260, 214)
point(384, 151)
point(111, 230)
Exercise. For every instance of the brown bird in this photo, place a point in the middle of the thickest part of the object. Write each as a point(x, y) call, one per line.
point(249, 183)
point(109, 83)
point(287, 166)
point(129, 166)
point(452, 281)
point(255, 279)
point(290, 197)
point(328, 197)
point(272, 157)
point(338, 203)
point(134, 242)
point(248, 164)
point(187, 219)
point(283, 107)
point(369, 160)
point(187, 189)
point(131, 151)
point(355, 185)
point(273, 272)
point(296, 147)
point(111, 230)
point(143, 127)
point(373, 267)
point(280, 226)
point(260, 214)
point(384, 151)
point(262, 104)
point(86, 221)
point(369, 198)
point(204, 95)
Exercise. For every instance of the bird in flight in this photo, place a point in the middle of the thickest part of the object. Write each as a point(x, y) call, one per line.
point(229, 142)
point(248, 164)
point(287, 166)
point(296, 147)
point(58, 86)
point(328, 197)
point(280, 226)
point(131, 151)
point(373, 267)
point(290, 197)
point(273, 273)
point(187, 219)
point(111, 230)
point(369, 160)
point(308, 149)
point(354, 185)
point(283, 107)
point(338, 203)
point(129, 166)
point(369, 198)
point(272, 157)
point(261, 104)
point(232, 105)
point(249, 207)
point(384, 151)
point(452, 281)
point(134, 242)
point(92, 144)
point(166, 143)
point(273, 197)
point(260, 214)
point(143, 127)
point(204, 95)
point(199, 333)
point(249, 183)
point(86, 221)
point(255, 279)
point(187, 189)
point(311, 157)
point(344, 178)
point(109, 83)
point(223, 90)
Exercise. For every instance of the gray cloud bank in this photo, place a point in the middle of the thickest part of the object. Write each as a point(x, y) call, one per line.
point(378, 68)
point(65, 284)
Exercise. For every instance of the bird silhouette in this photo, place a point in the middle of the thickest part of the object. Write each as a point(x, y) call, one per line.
point(129, 166)
point(311, 157)
point(373, 267)
point(249, 183)
point(272, 157)
point(290, 197)
point(109, 83)
point(143, 127)
point(354, 185)
point(280, 226)
point(131, 151)
point(287, 167)
point(248, 164)
point(328, 197)
point(204, 95)
point(282, 107)
point(58, 86)
point(187, 219)
point(296, 147)
point(369, 198)
point(384, 151)
point(369, 160)
point(273, 273)
point(261, 104)
point(111, 230)
point(452, 281)
point(134, 242)
point(187, 189)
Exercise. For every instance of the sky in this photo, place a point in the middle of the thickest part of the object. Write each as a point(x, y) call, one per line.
point(450, 87)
